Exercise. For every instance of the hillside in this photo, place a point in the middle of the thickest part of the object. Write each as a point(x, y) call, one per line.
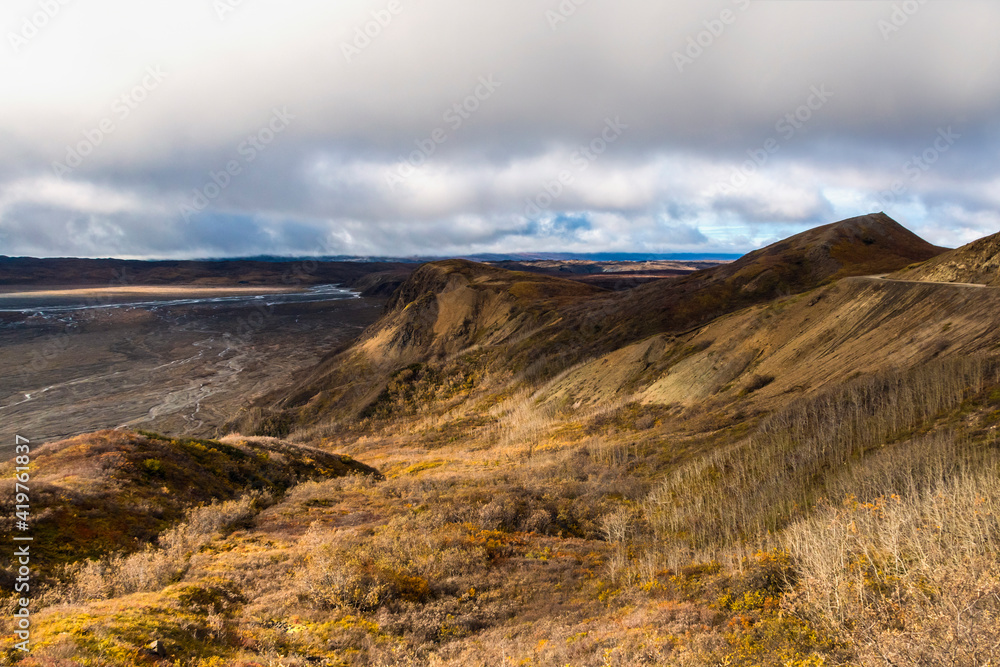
point(458, 328)
point(762, 356)
point(117, 490)
point(789, 460)
point(978, 263)
point(444, 309)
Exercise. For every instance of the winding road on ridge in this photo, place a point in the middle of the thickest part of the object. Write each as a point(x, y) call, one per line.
point(885, 278)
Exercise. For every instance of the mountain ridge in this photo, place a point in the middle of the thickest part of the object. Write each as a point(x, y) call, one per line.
point(785, 461)
point(514, 325)
point(976, 262)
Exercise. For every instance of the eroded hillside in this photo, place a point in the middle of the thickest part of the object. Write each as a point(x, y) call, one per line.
point(975, 263)
point(458, 330)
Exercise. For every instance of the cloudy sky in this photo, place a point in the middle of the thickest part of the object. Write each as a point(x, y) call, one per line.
point(207, 128)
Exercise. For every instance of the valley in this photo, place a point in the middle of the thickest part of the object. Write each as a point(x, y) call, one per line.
point(500, 334)
point(789, 459)
point(177, 359)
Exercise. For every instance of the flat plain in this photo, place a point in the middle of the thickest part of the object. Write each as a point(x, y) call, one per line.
point(180, 368)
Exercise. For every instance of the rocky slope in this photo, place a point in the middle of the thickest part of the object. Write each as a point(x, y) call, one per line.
point(978, 262)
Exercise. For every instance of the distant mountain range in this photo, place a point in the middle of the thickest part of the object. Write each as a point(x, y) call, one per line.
point(487, 257)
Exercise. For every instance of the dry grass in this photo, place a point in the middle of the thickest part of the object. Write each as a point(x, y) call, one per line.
point(555, 538)
point(520, 420)
point(912, 579)
point(155, 567)
point(799, 455)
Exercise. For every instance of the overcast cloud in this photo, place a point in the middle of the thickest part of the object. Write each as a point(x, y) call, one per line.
point(194, 128)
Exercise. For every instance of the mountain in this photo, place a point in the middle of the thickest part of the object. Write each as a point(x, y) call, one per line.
point(458, 323)
point(978, 263)
point(787, 460)
point(864, 245)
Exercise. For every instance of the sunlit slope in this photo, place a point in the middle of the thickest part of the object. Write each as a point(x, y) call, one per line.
point(457, 328)
point(977, 262)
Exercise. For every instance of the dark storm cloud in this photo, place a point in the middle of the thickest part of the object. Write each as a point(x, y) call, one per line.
point(462, 127)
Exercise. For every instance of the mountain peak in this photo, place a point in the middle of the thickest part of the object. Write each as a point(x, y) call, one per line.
point(866, 244)
point(870, 222)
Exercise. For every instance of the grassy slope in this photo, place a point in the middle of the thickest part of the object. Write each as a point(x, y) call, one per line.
point(806, 481)
point(567, 556)
point(459, 328)
point(117, 490)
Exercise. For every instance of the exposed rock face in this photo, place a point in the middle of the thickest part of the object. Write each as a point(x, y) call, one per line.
point(977, 262)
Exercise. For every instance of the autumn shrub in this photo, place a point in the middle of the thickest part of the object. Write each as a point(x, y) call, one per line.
point(365, 572)
point(757, 382)
point(908, 579)
point(798, 455)
point(120, 574)
point(260, 421)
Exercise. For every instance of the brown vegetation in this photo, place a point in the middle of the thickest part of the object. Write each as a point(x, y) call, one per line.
point(807, 479)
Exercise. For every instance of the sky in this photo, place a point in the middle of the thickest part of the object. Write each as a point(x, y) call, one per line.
point(226, 128)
